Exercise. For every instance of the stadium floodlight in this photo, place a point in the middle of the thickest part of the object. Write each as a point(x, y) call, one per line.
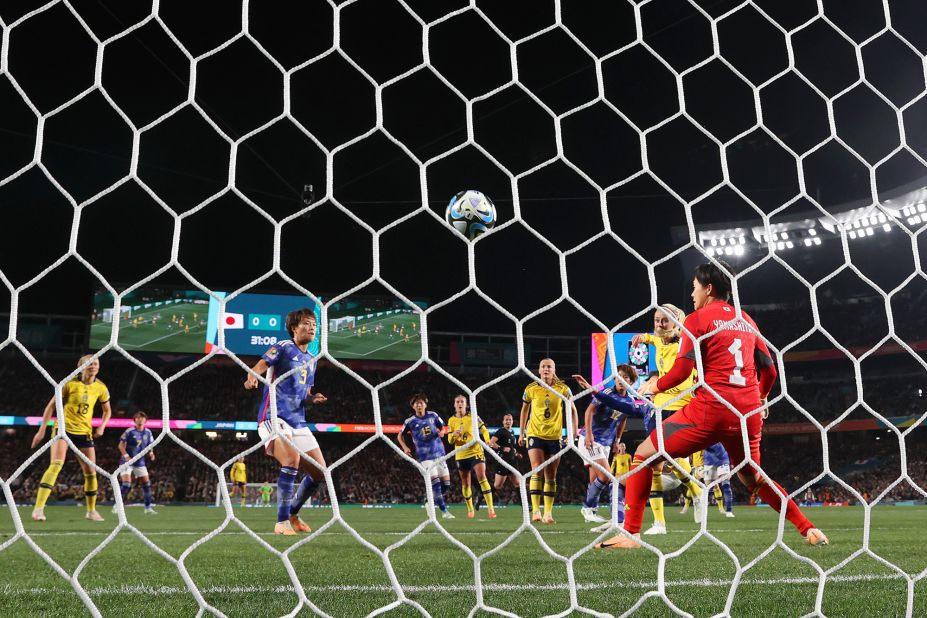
point(789, 244)
point(812, 232)
point(869, 231)
point(807, 242)
point(852, 234)
point(817, 241)
point(780, 245)
point(887, 227)
point(739, 250)
point(921, 208)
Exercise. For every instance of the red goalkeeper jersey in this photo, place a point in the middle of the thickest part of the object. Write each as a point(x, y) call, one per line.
point(730, 358)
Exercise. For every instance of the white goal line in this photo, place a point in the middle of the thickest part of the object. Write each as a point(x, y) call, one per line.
point(10, 589)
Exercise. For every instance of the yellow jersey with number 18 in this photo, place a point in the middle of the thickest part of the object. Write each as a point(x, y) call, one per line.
point(79, 400)
point(546, 417)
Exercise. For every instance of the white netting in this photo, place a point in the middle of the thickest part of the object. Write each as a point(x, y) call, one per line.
point(328, 195)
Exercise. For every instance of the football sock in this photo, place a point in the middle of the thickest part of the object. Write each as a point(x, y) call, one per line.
point(534, 490)
point(305, 491)
point(719, 498)
point(146, 491)
point(487, 493)
point(728, 497)
point(125, 488)
point(637, 487)
point(765, 490)
point(593, 491)
point(467, 494)
point(285, 482)
point(48, 482)
point(550, 492)
point(438, 490)
point(656, 497)
point(90, 491)
point(620, 514)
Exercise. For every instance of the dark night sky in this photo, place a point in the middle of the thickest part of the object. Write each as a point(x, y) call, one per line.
point(87, 147)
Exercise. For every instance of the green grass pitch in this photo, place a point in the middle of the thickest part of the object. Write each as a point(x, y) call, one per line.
point(159, 337)
point(241, 578)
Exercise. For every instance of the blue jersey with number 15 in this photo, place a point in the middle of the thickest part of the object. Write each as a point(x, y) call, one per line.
point(283, 357)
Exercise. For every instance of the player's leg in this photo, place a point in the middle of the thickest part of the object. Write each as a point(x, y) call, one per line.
point(682, 435)
point(479, 468)
point(90, 481)
point(314, 476)
point(58, 451)
point(766, 488)
point(244, 493)
point(141, 473)
point(441, 484)
point(656, 498)
point(288, 458)
point(683, 471)
point(536, 457)
point(463, 470)
point(598, 483)
point(550, 481)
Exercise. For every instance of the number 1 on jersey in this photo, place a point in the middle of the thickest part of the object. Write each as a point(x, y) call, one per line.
point(736, 377)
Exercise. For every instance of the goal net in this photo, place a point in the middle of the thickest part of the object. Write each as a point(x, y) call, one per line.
point(623, 143)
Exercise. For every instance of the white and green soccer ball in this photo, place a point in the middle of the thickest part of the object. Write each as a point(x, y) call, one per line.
point(471, 213)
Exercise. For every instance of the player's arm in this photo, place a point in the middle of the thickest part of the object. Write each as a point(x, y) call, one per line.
point(122, 446)
point(522, 421)
point(259, 368)
point(494, 443)
point(484, 433)
point(575, 417)
point(107, 413)
point(590, 411)
point(402, 442)
point(642, 338)
point(46, 416)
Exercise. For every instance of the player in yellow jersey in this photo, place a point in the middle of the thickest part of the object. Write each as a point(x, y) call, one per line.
point(79, 396)
point(239, 476)
point(665, 339)
point(541, 425)
point(469, 458)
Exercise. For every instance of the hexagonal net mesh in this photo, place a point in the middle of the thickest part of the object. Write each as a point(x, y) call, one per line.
point(767, 87)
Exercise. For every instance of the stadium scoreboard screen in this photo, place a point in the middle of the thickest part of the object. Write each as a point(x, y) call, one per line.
point(188, 321)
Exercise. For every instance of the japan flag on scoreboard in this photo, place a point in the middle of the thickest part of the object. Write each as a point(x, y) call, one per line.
point(233, 320)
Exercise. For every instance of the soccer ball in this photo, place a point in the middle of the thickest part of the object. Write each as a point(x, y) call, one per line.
point(471, 213)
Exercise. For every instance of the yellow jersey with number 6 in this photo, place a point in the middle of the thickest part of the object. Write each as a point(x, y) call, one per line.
point(545, 420)
point(79, 400)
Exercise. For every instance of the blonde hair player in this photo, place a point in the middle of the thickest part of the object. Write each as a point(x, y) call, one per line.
point(470, 458)
point(541, 425)
point(665, 339)
point(80, 395)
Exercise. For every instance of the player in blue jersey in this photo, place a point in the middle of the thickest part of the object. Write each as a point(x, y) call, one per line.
point(132, 442)
point(426, 428)
point(718, 466)
point(292, 372)
point(605, 421)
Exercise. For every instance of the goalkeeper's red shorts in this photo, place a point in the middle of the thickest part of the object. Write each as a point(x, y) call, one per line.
point(701, 424)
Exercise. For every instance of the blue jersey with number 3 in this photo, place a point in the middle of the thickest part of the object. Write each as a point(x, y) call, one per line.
point(283, 357)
